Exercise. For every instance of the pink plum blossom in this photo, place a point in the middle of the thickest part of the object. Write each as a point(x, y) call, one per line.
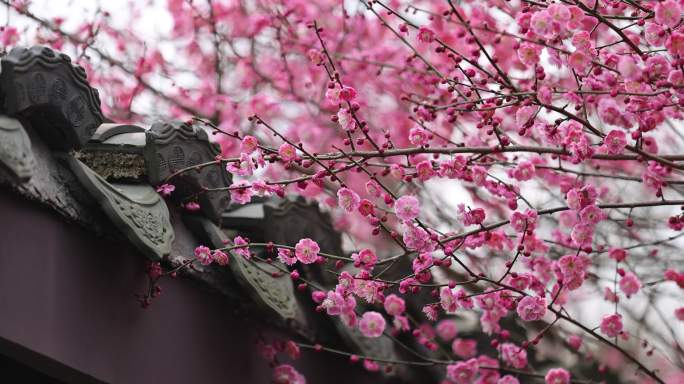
point(524, 171)
point(370, 365)
point(249, 144)
point(204, 255)
point(611, 325)
point(347, 93)
point(513, 355)
point(241, 192)
point(471, 216)
point(287, 374)
point(611, 113)
point(422, 262)
point(629, 68)
point(610, 296)
point(582, 40)
point(336, 304)
point(575, 342)
point(430, 312)
point(629, 284)
point(557, 376)
point(615, 142)
point(401, 323)
point(243, 167)
point(521, 221)
point(463, 372)
point(306, 251)
point(655, 34)
point(591, 215)
point(668, 13)
point(675, 44)
point(166, 189)
point(426, 35)
point(407, 208)
point(287, 152)
point(286, 256)
point(418, 136)
point(464, 348)
point(292, 349)
point(192, 206)
point(617, 254)
point(572, 270)
point(8, 36)
point(366, 259)
point(531, 308)
point(417, 238)
point(541, 23)
point(580, 60)
point(447, 300)
point(221, 258)
point(424, 170)
point(447, 329)
point(345, 118)
point(394, 305)
point(372, 324)
point(241, 247)
point(348, 199)
point(366, 207)
point(529, 53)
point(579, 198)
point(373, 188)
point(508, 379)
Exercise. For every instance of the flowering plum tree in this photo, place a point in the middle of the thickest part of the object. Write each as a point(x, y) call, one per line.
point(515, 162)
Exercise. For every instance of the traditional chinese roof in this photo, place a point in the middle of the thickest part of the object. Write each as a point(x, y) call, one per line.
point(56, 151)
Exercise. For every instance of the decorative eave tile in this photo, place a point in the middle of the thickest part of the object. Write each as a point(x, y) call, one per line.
point(275, 293)
point(15, 149)
point(43, 87)
point(136, 209)
point(173, 146)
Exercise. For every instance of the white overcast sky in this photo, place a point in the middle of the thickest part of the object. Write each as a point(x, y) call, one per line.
point(156, 17)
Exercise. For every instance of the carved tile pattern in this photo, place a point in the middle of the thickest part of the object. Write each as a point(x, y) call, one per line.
point(15, 149)
point(173, 146)
point(149, 222)
point(277, 293)
point(37, 88)
point(138, 210)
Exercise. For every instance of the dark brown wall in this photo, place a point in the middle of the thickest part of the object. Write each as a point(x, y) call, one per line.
point(67, 308)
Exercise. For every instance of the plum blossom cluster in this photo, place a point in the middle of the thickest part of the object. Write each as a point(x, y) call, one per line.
point(505, 162)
